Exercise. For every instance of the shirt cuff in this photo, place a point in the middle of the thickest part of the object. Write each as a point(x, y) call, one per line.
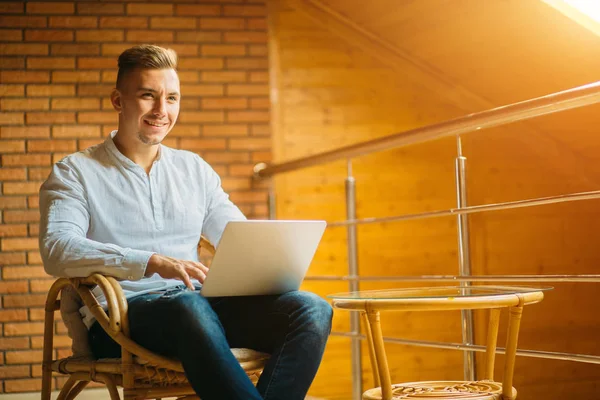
point(136, 262)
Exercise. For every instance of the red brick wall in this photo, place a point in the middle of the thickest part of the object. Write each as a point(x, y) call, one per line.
point(57, 68)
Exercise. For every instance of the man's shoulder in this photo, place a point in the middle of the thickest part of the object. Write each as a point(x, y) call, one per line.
point(186, 157)
point(81, 158)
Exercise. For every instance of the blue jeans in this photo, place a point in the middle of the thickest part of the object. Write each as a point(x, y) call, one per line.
point(198, 331)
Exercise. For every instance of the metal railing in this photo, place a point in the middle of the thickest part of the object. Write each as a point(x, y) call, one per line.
point(561, 101)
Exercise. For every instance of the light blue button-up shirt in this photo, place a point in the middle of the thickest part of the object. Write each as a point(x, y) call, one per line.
point(101, 212)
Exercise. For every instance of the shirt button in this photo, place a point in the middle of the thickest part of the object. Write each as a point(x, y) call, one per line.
point(130, 277)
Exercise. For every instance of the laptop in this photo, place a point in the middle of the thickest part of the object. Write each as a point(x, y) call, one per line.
point(259, 257)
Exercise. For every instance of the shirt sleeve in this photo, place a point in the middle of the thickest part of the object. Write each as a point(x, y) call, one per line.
point(64, 222)
point(219, 209)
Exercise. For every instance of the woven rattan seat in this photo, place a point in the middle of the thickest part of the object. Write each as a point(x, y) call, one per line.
point(450, 390)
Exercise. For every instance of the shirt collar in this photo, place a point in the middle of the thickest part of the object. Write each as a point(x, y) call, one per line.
point(112, 149)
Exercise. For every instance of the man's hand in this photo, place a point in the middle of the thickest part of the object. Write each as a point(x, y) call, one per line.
point(172, 268)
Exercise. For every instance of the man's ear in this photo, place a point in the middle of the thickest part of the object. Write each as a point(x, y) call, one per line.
point(115, 99)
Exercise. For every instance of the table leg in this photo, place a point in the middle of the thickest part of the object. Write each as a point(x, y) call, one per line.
point(514, 324)
point(492, 341)
point(382, 364)
point(372, 357)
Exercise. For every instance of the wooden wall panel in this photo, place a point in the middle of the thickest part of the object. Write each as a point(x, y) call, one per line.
point(327, 93)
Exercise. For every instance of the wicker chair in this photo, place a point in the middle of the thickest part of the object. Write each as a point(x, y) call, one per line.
point(142, 373)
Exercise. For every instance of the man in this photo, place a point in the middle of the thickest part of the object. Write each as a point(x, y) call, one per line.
point(135, 209)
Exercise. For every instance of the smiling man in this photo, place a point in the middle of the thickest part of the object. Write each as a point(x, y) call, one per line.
point(135, 209)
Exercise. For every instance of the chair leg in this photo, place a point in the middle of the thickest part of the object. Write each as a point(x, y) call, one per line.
point(64, 392)
point(110, 385)
point(514, 323)
point(77, 389)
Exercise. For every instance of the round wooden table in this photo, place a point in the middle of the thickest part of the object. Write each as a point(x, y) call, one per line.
point(495, 298)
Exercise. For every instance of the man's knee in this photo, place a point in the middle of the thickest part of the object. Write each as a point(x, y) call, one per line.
point(313, 310)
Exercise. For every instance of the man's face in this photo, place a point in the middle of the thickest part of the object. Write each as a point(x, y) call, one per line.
point(148, 102)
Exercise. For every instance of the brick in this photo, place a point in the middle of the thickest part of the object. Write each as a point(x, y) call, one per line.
point(248, 116)
point(34, 257)
point(114, 49)
point(50, 117)
point(85, 143)
point(17, 244)
point(24, 187)
point(257, 24)
point(38, 314)
point(22, 22)
point(50, 90)
point(200, 63)
point(223, 76)
point(75, 104)
point(222, 103)
point(198, 36)
point(149, 9)
point(24, 300)
point(11, 35)
point(258, 50)
point(14, 118)
point(245, 10)
point(94, 90)
point(248, 90)
point(75, 49)
point(12, 7)
point(250, 144)
point(23, 49)
point(51, 62)
point(259, 77)
point(96, 62)
point(75, 76)
point(24, 77)
point(23, 356)
point(149, 36)
point(36, 370)
point(226, 24)
point(12, 287)
point(189, 103)
point(260, 130)
point(202, 116)
point(223, 50)
point(12, 258)
point(124, 22)
point(247, 63)
point(97, 8)
point(226, 157)
point(34, 229)
point(108, 76)
point(24, 159)
point(54, 7)
point(248, 197)
point(12, 146)
point(186, 77)
point(16, 132)
point(34, 146)
point(23, 385)
point(197, 9)
point(182, 130)
point(260, 103)
point(17, 371)
point(60, 341)
point(98, 117)
point(203, 90)
point(24, 104)
point(14, 343)
point(230, 184)
point(38, 173)
point(246, 37)
point(262, 156)
point(173, 22)
point(73, 22)
point(23, 272)
point(40, 285)
point(203, 144)
point(13, 315)
point(184, 50)
point(12, 62)
point(48, 35)
point(56, 157)
point(237, 170)
point(12, 174)
point(12, 90)
point(225, 130)
point(11, 230)
point(99, 35)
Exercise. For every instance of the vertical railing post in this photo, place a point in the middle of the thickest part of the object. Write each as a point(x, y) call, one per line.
point(464, 259)
point(355, 351)
point(271, 201)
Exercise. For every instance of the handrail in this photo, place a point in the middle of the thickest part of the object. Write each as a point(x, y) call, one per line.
point(560, 101)
point(590, 278)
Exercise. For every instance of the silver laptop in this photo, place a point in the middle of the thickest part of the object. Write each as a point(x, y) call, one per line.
point(260, 257)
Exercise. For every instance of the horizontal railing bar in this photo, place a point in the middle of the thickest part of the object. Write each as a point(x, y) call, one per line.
point(453, 278)
point(550, 355)
point(560, 101)
point(476, 209)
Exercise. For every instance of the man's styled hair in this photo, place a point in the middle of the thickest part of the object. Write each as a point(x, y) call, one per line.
point(145, 56)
